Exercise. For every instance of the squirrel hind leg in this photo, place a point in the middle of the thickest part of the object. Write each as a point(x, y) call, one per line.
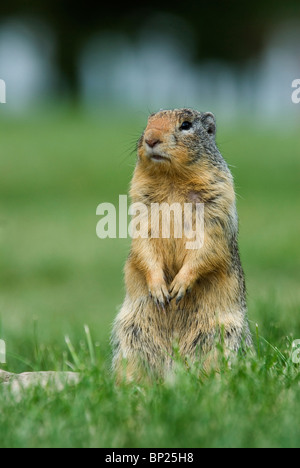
point(140, 342)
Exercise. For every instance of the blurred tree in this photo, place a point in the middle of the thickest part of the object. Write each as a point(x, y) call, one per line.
point(231, 30)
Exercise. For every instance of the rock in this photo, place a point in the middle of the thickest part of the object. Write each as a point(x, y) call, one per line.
point(5, 376)
point(55, 380)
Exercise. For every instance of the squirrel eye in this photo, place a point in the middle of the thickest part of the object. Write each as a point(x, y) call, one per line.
point(186, 125)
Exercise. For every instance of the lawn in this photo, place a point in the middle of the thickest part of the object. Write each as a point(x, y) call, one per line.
point(56, 276)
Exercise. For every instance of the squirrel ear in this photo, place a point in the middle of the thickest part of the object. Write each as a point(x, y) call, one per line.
point(209, 123)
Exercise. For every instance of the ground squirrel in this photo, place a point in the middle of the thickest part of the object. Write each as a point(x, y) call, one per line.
point(192, 297)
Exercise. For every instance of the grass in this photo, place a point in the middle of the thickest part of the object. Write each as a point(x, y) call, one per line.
point(56, 275)
point(253, 404)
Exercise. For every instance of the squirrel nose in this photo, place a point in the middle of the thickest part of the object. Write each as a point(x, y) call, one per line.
point(152, 142)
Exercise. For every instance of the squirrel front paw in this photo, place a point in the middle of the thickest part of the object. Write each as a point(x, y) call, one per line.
point(158, 291)
point(179, 288)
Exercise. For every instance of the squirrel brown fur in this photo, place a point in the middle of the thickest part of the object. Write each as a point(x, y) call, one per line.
point(194, 298)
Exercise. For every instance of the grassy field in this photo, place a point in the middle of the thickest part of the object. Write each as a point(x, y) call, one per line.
point(56, 276)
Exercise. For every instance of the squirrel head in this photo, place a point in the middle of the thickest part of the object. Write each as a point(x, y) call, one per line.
point(177, 139)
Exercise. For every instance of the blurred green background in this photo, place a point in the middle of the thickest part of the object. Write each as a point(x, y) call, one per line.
point(57, 275)
point(79, 89)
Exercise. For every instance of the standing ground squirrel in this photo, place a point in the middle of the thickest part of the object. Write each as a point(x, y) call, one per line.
point(192, 297)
